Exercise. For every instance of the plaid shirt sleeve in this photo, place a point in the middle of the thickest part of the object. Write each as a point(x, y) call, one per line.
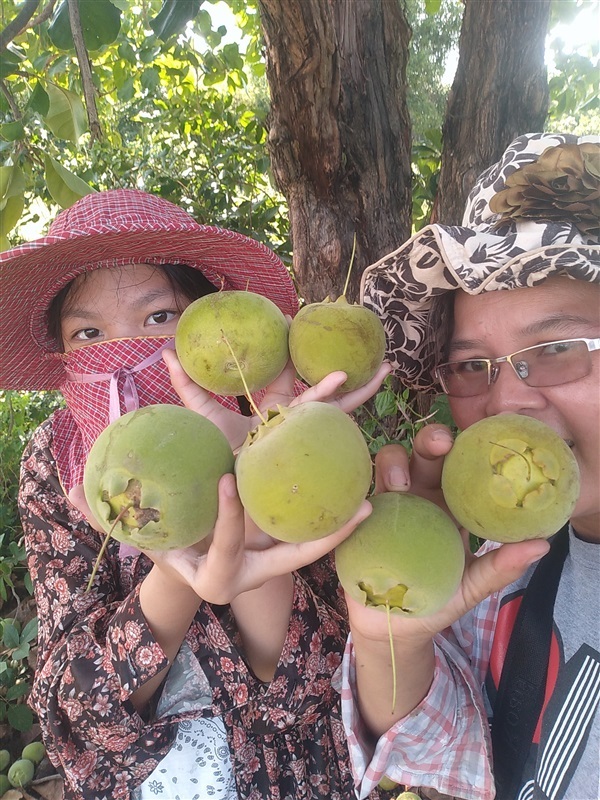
point(444, 743)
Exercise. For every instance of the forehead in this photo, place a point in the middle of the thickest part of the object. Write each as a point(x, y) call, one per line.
point(128, 279)
point(516, 308)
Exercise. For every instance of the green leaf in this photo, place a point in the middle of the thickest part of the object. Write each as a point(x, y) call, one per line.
point(30, 631)
point(10, 635)
point(39, 100)
point(432, 7)
point(11, 60)
point(173, 17)
point(17, 690)
point(100, 24)
point(66, 115)
point(64, 187)
point(20, 717)
point(12, 131)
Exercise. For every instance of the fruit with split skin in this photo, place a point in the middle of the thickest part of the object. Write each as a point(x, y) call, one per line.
point(330, 336)
point(509, 478)
point(217, 329)
point(151, 477)
point(304, 472)
point(407, 556)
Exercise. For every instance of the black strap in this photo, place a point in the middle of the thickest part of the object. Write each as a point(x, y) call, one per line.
point(523, 681)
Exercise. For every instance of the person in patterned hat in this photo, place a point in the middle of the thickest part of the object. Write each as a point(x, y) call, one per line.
point(204, 672)
point(502, 314)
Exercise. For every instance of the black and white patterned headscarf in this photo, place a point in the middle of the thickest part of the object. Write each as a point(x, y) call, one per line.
point(491, 251)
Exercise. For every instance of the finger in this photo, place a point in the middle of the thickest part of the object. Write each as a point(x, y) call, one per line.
point(192, 396)
point(352, 400)
point(286, 557)
point(499, 568)
point(228, 536)
point(281, 390)
point(77, 498)
point(391, 469)
point(324, 391)
point(430, 446)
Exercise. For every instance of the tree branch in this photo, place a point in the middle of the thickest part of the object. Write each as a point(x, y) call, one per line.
point(45, 14)
point(18, 24)
point(85, 70)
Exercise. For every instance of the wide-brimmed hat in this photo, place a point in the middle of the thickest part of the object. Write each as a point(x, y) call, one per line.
point(111, 229)
point(533, 215)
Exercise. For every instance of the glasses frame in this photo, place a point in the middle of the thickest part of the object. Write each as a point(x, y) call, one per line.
point(493, 364)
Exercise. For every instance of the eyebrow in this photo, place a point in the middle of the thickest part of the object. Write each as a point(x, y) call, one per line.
point(555, 323)
point(143, 300)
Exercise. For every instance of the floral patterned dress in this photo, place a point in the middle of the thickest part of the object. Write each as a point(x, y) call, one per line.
point(285, 738)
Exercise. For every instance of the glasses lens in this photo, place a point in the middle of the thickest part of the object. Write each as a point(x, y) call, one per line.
point(555, 363)
point(464, 378)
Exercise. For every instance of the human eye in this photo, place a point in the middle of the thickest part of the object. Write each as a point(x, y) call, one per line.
point(473, 366)
point(86, 334)
point(556, 348)
point(161, 317)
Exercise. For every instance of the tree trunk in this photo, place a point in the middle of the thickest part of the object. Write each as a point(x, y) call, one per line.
point(500, 91)
point(339, 133)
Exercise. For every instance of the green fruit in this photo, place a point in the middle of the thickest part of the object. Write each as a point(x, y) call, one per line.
point(21, 773)
point(325, 337)
point(4, 759)
point(304, 473)
point(4, 785)
point(35, 751)
point(407, 555)
point(217, 327)
point(509, 478)
point(387, 784)
point(164, 462)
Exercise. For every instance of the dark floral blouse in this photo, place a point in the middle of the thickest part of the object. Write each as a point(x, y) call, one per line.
point(286, 738)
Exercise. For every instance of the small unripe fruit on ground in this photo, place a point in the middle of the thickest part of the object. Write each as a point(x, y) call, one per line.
point(387, 784)
point(151, 477)
point(509, 478)
point(4, 759)
point(407, 556)
point(304, 473)
point(35, 751)
point(325, 337)
point(247, 324)
point(4, 785)
point(21, 773)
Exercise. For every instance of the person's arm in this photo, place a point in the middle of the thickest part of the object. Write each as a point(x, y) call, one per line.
point(416, 664)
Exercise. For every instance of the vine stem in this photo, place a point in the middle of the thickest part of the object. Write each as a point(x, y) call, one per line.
point(392, 654)
point(105, 545)
point(350, 267)
point(248, 395)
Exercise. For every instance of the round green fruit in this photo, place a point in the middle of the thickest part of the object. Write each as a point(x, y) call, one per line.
point(509, 478)
point(4, 759)
point(218, 329)
point(304, 473)
point(407, 556)
point(4, 785)
point(21, 773)
point(151, 477)
point(325, 337)
point(34, 751)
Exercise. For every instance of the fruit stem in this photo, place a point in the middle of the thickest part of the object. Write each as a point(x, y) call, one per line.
point(105, 545)
point(516, 452)
point(253, 405)
point(350, 267)
point(392, 654)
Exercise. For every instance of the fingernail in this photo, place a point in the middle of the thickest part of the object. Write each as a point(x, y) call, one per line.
point(441, 436)
point(397, 478)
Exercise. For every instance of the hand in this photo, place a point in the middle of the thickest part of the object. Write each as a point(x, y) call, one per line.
point(421, 474)
point(282, 391)
point(238, 557)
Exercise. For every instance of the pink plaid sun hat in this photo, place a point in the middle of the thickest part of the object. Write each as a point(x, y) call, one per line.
point(112, 229)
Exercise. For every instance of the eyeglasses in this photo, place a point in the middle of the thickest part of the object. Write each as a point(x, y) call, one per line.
point(549, 364)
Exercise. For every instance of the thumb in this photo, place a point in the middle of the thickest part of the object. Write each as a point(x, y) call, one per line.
point(77, 498)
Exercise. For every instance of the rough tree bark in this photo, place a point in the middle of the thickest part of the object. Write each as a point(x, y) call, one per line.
point(339, 133)
point(500, 91)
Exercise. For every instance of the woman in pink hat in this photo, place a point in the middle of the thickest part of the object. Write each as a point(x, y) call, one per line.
point(503, 315)
point(192, 673)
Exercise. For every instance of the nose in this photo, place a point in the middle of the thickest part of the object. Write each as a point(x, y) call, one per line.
point(509, 393)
